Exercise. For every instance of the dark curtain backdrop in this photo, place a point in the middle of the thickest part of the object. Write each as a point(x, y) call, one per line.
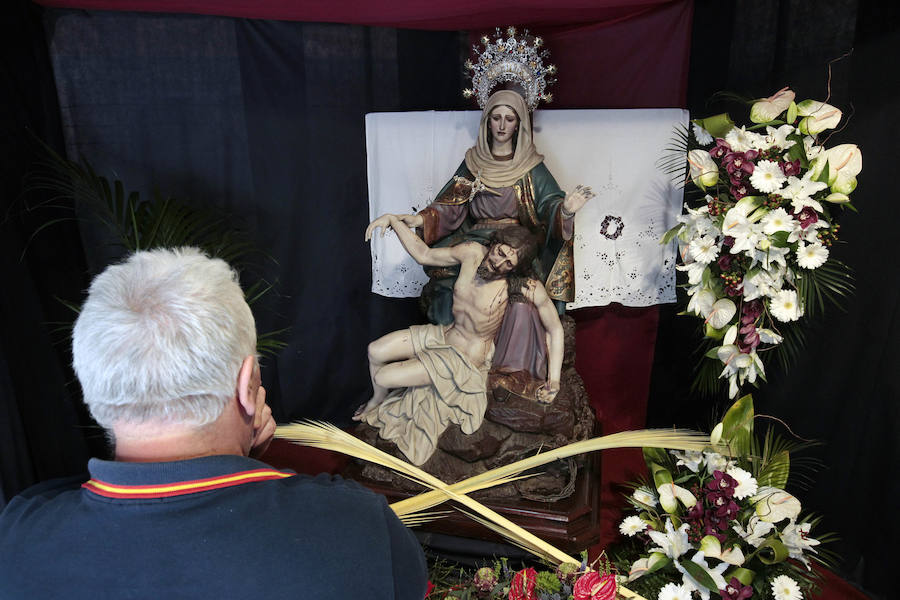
point(265, 118)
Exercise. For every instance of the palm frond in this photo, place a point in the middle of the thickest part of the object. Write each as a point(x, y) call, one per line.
point(829, 284)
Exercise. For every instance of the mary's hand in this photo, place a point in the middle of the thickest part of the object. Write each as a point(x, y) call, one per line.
point(576, 199)
point(547, 392)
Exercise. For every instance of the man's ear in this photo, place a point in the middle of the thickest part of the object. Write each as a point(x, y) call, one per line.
point(247, 385)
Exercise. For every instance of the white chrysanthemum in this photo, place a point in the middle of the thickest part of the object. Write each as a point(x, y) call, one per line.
point(702, 135)
point(778, 220)
point(704, 249)
point(785, 307)
point(746, 483)
point(767, 176)
point(644, 496)
point(785, 588)
point(673, 591)
point(632, 525)
point(811, 256)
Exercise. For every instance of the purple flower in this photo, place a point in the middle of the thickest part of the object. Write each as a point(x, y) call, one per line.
point(739, 191)
point(720, 149)
point(722, 483)
point(728, 242)
point(724, 261)
point(751, 310)
point(807, 217)
point(791, 167)
point(735, 590)
point(735, 162)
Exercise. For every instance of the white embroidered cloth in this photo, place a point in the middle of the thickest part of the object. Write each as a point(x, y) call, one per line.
point(618, 257)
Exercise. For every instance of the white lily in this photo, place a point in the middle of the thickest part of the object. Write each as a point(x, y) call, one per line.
point(756, 532)
point(690, 459)
point(767, 336)
point(704, 170)
point(715, 462)
point(818, 116)
point(773, 504)
point(800, 191)
point(796, 539)
point(715, 573)
point(778, 137)
point(670, 494)
point(673, 543)
point(711, 547)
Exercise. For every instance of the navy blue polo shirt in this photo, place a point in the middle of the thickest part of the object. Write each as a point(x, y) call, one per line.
point(211, 527)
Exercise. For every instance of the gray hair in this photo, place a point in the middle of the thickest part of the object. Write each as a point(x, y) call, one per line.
point(161, 337)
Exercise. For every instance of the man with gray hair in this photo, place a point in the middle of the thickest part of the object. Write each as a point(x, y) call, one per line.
point(165, 350)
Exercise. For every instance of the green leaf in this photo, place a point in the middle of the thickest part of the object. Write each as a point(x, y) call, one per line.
point(780, 239)
point(670, 234)
point(655, 455)
point(745, 576)
point(772, 551)
point(661, 564)
point(699, 574)
point(776, 470)
point(823, 176)
point(713, 353)
point(660, 474)
point(798, 151)
point(737, 425)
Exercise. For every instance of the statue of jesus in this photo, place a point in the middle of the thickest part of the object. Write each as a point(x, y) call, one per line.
point(439, 372)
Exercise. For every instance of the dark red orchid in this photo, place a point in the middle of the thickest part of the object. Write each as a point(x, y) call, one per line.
point(720, 149)
point(807, 217)
point(790, 167)
point(735, 590)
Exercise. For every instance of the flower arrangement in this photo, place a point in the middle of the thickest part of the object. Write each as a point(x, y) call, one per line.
point(565, 582)
point(710, 524)
point(761, 211)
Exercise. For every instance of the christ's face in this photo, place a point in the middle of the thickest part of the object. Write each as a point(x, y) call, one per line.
point(498, 262)
point(503, 121)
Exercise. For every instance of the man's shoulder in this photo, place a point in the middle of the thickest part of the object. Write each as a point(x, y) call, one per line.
point(43, 492)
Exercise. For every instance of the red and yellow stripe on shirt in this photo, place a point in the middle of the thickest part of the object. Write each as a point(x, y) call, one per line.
point(164, 490)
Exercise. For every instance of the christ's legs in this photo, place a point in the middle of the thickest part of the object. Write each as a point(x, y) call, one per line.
point(390, 348)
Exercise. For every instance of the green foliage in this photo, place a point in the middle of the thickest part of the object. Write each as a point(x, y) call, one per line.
point(829, 284)
point(137, 223)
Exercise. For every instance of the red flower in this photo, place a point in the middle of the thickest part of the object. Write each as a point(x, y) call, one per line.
point(429, 590)
point(522, 587)
point(594, 586)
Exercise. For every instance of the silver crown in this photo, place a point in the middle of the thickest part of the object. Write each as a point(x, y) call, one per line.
point(511, 60)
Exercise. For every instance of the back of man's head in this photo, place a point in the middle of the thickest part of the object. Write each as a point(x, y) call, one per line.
point(161, 338)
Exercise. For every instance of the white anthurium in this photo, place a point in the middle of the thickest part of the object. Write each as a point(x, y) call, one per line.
point(712, 548)
point(704, 170)
point(844, 164)
point(756, 533)
point(715, 573)
point(768, 109)
point(715, 435)
point(689, 458)
point(730, 335)
point(796, 539)
point(673, 543)
point(640, 566)
point(670, 494)
point(722, 312)
point(817, 116)
point(767, 336)
point(701, 303)
point(773, 504)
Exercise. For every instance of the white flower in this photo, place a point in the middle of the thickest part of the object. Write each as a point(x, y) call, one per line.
point(811, 256)
point(770, 257)
point(756, 532)
point(644, 496)
point(773, 505)
point(703, 137)
point(785, 588)
point(632, 525)
point(670, 494)
point(673, 591)
point(742, 140)
point(800, 190)
point(704, 249)
point(818, 116)
point(672, 543)
point(768, 109)
point(767, 176)
point(641, 565)
point(690, 459)
point(796, 539)
point(722, 312)
point(711, 547)
point(701, 303)
point(767, 336)
point(778, 137)
point(785, 307)
point(765, 283)
point(715, 462)
point(697, 223)
point(746, 483)
point(714, 573)
point(810, 147)
point(844, 164)
point(704, 170)
point(778, 220)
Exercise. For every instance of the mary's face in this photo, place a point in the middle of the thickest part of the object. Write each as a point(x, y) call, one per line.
point(503, 122)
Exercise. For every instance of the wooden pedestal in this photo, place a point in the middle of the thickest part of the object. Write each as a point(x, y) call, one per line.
point(571, 524)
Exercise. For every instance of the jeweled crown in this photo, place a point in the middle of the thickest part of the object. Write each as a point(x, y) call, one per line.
point(513, 58)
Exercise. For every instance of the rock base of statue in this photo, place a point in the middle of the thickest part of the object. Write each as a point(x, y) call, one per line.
point(515, 426)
